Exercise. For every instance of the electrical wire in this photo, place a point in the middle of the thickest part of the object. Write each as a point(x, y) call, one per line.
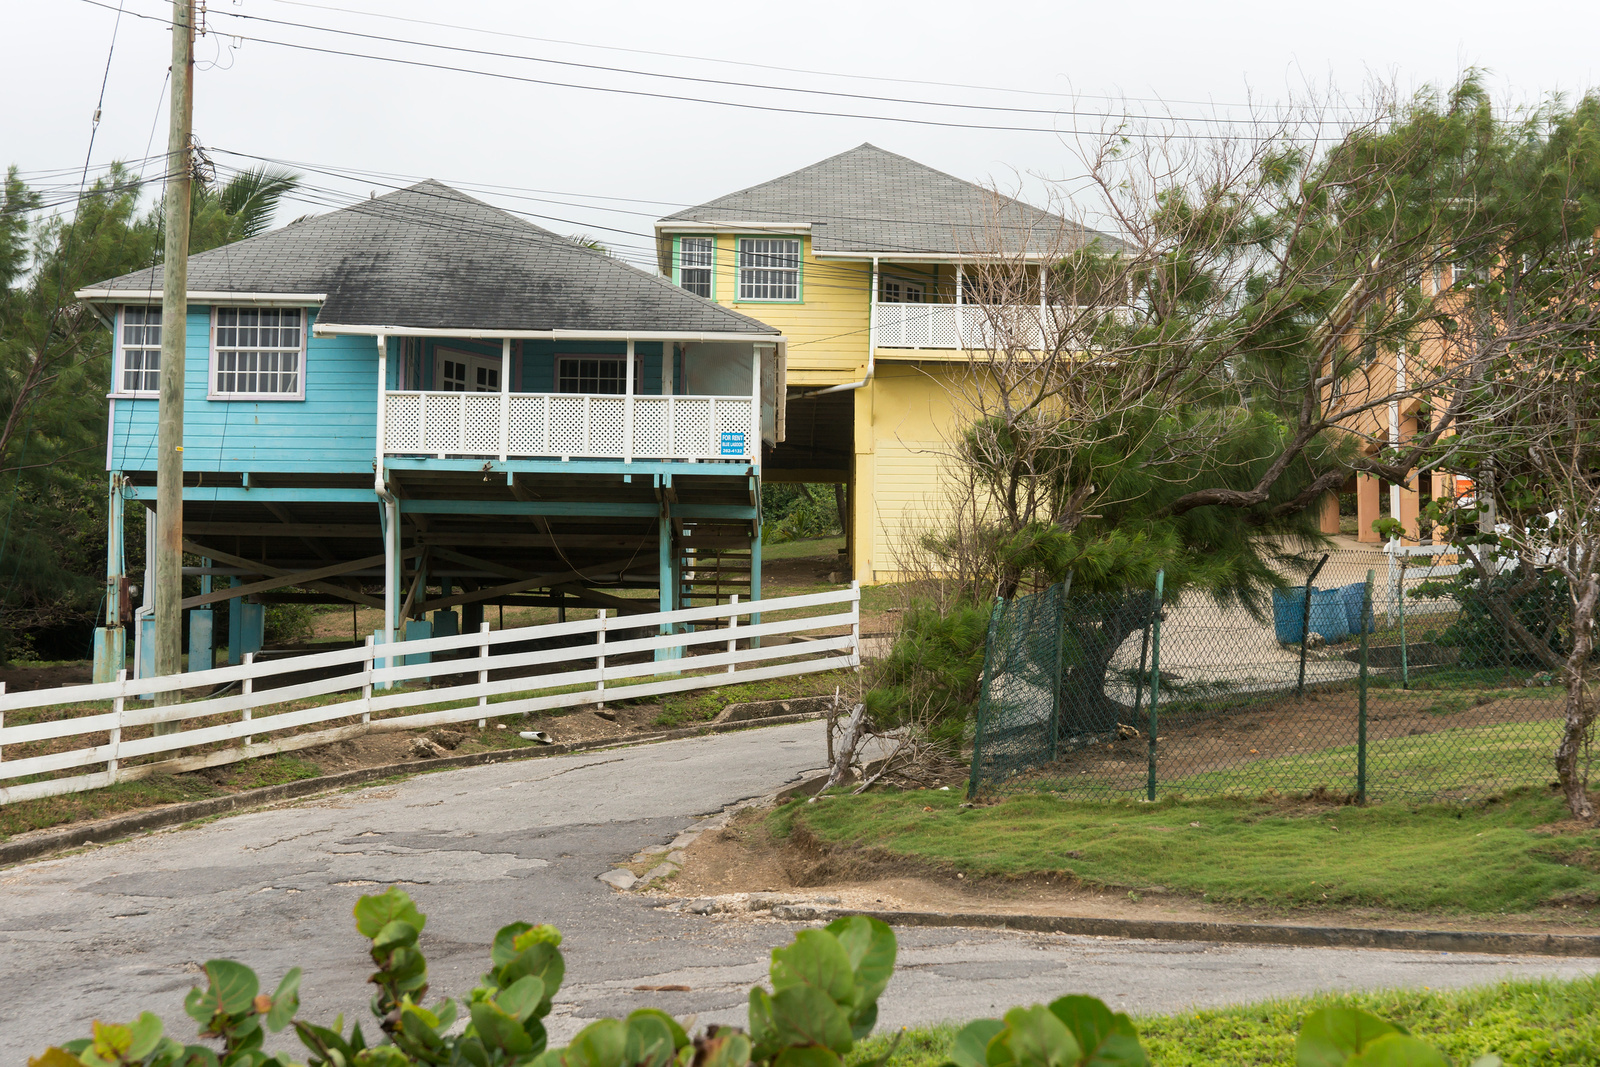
point(1119, 132)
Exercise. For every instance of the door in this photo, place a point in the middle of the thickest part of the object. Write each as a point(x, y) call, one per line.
point(466, 372)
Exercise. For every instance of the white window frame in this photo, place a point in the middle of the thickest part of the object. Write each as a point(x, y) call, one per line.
point(473, 361)
point(638, 372)
point(709, 265)
point(214, 370)
point(119, 368)
point(748, 287)
point(902, 290)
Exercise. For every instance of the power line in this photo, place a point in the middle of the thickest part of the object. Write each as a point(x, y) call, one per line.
point(769, 66)
point(874, 98)
point(681, 98)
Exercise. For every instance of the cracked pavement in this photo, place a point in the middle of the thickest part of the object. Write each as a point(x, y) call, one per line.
point(114, 930)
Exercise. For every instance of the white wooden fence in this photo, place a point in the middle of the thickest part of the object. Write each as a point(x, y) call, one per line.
point(705, 651)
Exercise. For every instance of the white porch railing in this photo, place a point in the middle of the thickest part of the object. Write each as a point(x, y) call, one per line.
point(566, 425)
point(343, 693)
point(973, 325)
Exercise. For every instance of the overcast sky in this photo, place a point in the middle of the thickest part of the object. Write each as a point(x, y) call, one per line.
point(571, 147)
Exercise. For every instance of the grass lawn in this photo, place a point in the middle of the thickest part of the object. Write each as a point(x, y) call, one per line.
point(1486, 859)
point(1465, 761)
point(1526, 1023)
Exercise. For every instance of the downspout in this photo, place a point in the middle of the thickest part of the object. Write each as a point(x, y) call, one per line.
point(872, 344)
point(391, 506)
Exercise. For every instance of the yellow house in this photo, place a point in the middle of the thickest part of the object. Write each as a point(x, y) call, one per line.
point(861, 261)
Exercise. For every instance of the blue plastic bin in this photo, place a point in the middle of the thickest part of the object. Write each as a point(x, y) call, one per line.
point(1353, 595)
point(1327, 614)
point(1288, 613)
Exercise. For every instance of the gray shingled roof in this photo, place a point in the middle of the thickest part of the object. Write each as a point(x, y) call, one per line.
point(869, 200)
point(434, 258)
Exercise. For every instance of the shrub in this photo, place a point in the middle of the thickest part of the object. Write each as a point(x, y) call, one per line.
point(287, 624)
point(933, 675)
point(824, 999)
point(1484, 641)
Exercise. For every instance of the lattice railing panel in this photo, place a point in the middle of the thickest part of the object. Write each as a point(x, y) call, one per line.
point(691, 427)
point(441, 422)
point(402, 423)
point(526, 435)
point(652, 436)
point(567, 425)
point(733, 426)
point(480, 423)
point(606, 426)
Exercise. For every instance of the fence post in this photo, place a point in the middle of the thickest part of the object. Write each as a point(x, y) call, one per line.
point(600, 660)
point(483, 675)
point(249, 687)
point(855, 622)
point(116, 731)
point(366, 683)
point(1405, 666)
point(1361, 722)
point(983, 697)
point(1155, 686)
point(1305, 628)
point(1055, 690)
point(733, 626)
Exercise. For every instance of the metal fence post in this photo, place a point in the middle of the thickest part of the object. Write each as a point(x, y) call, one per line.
point(1305, 628)
point(1361, 727)
point(1155, 684)
point(1055, 674)
point(983, 697)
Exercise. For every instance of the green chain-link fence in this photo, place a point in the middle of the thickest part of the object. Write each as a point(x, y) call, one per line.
point(1136, 695)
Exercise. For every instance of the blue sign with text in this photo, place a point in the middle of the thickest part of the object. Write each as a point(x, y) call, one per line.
point(733, 444)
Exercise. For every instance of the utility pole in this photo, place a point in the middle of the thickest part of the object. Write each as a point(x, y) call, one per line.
point(174, 313)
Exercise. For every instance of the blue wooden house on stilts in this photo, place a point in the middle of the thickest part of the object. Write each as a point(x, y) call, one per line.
point(426, 405)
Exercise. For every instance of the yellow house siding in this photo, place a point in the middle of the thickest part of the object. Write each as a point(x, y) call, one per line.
point(826, 328)
point(909, 413)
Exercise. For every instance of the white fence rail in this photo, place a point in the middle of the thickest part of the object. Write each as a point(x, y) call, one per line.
point(963, 326)
point(569, 424)
point(601, 658)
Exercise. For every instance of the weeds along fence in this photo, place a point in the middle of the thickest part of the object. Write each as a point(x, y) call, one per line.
point(255, 708)
point(1391, 680)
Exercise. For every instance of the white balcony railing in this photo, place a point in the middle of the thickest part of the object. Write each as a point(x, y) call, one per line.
point(569, 425)
point(973, 325)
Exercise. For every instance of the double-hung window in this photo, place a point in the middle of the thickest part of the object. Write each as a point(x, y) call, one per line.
point(139, 350)
point(258, 353)
point(583, 374)
point(769, 268)
point(694, 265)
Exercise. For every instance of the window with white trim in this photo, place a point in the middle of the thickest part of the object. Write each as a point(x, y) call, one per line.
point(139, 350)
point(464, 372)
point(898, 291)
point(588, 374)
point(694, 265)
point(258, 352)
point(769, 268)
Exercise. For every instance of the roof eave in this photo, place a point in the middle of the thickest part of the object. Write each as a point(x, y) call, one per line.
point(202, 296)
point(334, 329)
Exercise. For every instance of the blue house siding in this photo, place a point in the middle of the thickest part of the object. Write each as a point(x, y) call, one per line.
point(332, 431)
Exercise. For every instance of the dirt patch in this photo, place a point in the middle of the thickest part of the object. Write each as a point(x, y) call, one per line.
point(745, 858)
point(22, 679)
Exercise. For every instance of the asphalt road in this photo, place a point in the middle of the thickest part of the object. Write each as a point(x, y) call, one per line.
point(123, 928)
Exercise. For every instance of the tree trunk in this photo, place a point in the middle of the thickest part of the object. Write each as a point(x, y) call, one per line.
point(1086, 709)
point(1580, 704)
